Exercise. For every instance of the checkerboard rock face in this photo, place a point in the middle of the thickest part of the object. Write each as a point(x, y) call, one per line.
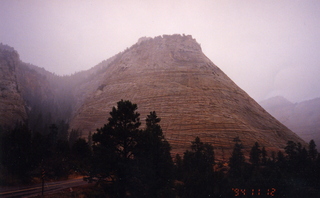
point(191, 95)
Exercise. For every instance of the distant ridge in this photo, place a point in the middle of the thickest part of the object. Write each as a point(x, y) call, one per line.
point(303, 118)
point(276, 101)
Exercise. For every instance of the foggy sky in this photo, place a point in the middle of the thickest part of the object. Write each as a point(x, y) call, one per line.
point(267, 47)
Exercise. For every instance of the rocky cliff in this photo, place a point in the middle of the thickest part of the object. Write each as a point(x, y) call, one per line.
point(31, 94)
point(171, 75)
point(12, 106)
point(166, 74)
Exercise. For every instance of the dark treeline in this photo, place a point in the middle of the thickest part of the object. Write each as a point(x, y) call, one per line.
point(123, 160)
point(24, 153)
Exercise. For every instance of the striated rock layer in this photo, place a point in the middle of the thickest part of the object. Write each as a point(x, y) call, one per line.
point(193, 97)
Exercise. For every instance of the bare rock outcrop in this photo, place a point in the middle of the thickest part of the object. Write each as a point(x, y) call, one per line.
point(168, 74)
point(171, 75)
point(29, 93)
point(12, 107)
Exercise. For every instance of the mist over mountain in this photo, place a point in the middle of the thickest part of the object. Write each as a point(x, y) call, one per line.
point(303, 118)
point(11, 103)
point(168, 74)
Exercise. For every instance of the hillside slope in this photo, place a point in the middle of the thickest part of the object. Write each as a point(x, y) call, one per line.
point(171, 75)
point(168, 74)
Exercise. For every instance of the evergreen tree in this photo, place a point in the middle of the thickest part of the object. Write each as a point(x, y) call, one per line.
point(40, 151)
point(198, 170)
point(264, 156)
point(153, 157)
point(255, 154)
point(200, 158)
point(53, 135)
point(113, 149)
point(90, 139)
point(302, 163)
point(74, 136)
point(313, 169)
point(281, 160)
point(292, 150)
point(273, 156)
point(236, 161)
point(312, 152)
point(63, 128)
point(81, 154)
point(317, 171)
point(16, 149)
point(58, 166)
point(178, 167)
point(292, 156)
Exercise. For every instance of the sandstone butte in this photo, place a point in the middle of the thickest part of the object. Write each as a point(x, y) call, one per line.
point(192, 96)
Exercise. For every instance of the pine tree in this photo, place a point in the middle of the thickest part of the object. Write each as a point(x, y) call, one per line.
point(281, 160)
point(264, 156)
point(81, 156)
point(198, 170)
point(113, 149)
point(178, 169)
point(255, 154)
point(312, 152)
point(154, 160)
point(237, 159)
point(90, 139)
point(16, 149)
point(291, 150)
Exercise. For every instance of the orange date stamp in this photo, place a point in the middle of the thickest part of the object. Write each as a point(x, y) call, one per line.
point(239, 192)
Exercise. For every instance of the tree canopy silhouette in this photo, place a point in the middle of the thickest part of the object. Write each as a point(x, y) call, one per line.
point(154, 159)
point(237, 159)
point(113, 147)
point(128, 160)
point(198, 174)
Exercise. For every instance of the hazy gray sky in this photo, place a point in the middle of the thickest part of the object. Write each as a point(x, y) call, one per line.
point(268, 47)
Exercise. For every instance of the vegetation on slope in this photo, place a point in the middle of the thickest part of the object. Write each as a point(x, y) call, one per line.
point(123, 160)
